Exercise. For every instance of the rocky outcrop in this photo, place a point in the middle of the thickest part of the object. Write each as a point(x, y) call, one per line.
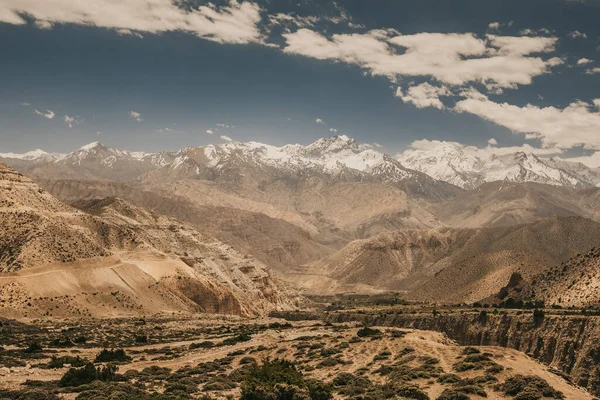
point(568, 344)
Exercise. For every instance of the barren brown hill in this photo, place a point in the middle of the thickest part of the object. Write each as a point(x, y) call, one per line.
point(504, 203)
point(123, 260)
point(574, 283)
point(276, 242)
point(447, 264)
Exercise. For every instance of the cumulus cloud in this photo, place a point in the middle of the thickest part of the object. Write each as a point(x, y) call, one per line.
point(136, 115)
point(72, 120)
point(209, 131)
point(225, 126)
point(424, 95)
point(492, 142)
point(377, 145)
point(334, 130)
point(49, 114)
point(577, 124)
point(319, 121)
point(233, 23)
point(25, 104)
point(577, 35)
point(226, 138)
point(451, 58)
point(494, 26)
point(583, 61)
point(593, 71)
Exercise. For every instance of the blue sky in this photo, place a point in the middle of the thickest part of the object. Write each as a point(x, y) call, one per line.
point(147, 75)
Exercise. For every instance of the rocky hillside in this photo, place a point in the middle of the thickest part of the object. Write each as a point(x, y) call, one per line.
point(572, 283)
point(500, 204)
point(451, 265)
point(117, 258)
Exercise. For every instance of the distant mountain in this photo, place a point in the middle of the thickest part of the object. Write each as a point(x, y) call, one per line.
point(338, 157)
point(92, 161)
point(504, 203)
point(453, 163)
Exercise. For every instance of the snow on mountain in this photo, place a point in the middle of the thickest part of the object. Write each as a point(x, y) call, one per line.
point(331, 156)
point(467, 168)
point(34, 155)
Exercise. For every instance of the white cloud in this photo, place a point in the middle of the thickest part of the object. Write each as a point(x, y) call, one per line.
point(49, 114)
point(136, 115)
point(210, 131)
point(583, 61)
point(576, 124)
point(492, 142)
point(72, 120)
point(319, 121)
point(234, 23)
point(592, 160)
point(123, 31)
point(44, 24)
point(226, 138)
point(596, 103)
point(424, 95)
point(225, 126)
point(377, 145)
point(577, 34)
point(334, 130)
point(453, 59)
point(24, 104)
point(592, 71)
point(494, 26)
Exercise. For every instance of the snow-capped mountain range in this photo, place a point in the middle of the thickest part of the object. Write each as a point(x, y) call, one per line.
point(455, 164)
point(333, 156)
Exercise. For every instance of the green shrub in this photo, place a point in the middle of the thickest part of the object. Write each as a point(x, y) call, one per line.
point(368, 332)
point(528, 385)
point(242, 337)
point(117, 355)
point(207, 344)
point(34, 347)
point(280, 380)
point(453, 394)
point(88, 374)
point(59, 362)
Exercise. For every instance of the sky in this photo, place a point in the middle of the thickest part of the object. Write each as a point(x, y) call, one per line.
point(149, 75)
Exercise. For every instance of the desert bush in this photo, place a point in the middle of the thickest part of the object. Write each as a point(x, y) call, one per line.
point(280, 380)
point(59, 362)
point(242, 337)
point(368, 332)
point(207, 344)
point(453, 394)
point(27, 394)
point(528, 385)
point(34, 347)
point(87, 374)
point(448, 378)
point(411, 392)
point(117, 355)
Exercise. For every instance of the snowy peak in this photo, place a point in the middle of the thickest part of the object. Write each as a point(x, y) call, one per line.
point(34, 155)
point(334, 155)
point(468, 167)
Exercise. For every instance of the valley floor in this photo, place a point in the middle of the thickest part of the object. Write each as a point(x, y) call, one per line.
point(211, 356)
